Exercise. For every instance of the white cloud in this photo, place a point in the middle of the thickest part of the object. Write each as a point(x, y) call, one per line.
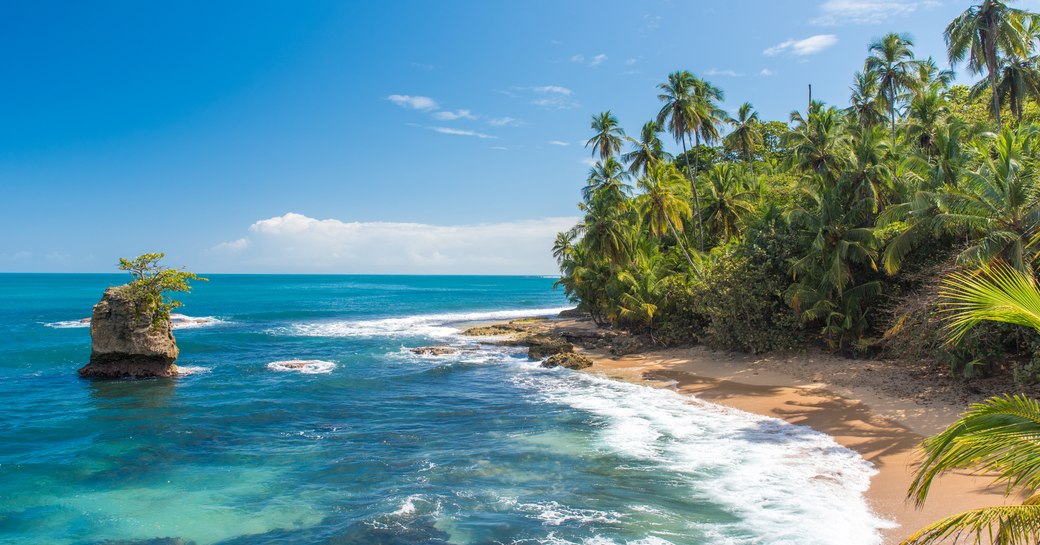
point(503, 122)
point(592, 61)
point(631, 61)
point(727, 73)
point(295, 243)
point(502, 148)
point(766, 72)
point(588, 161)
point(554, 97)
point(553, 89)
point(801, 48)
point(414, 102)
point(452, 116)
point(845, 12)
point(558, 143)
point(461, 132)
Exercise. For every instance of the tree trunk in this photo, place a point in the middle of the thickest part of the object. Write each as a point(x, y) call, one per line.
point(892, 109)
point(991, 67)
point(685, 252)
point(696, 198)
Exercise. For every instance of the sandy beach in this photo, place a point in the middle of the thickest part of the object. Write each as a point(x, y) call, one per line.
point(880, 409)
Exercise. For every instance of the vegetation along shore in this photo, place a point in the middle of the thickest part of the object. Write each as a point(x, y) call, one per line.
point(896, 237)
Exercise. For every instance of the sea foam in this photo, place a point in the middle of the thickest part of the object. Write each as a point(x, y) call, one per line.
point(434, 326)
point(786, 483)
point(307, 367)
point(179, 321)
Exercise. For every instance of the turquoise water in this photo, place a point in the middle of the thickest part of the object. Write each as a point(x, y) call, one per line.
point(378, 445)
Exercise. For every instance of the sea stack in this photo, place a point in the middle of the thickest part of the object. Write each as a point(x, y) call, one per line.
point(127, 346)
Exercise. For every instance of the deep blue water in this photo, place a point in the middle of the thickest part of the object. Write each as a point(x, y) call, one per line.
point(385, 447)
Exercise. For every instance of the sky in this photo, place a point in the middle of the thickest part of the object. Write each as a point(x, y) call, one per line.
point(377, 137)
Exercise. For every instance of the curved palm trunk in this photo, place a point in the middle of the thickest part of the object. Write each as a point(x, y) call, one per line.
point(696, 198)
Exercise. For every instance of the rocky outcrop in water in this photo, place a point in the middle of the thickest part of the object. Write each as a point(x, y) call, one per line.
point(540, 346)
point(125, 345)
point(570, 360)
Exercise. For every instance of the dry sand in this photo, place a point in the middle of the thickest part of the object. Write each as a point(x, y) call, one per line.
point(880, 409)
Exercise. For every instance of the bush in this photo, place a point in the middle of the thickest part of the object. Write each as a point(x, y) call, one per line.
point(151, 282)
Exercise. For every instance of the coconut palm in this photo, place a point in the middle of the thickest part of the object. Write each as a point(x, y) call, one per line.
point(931, 77)
point(745, 136)
point(1018, 79)
point(681, 115)
point(818, 140)
point(998, 207)
point(891, 62)
point(607, 182)
point(648, 149)
point(728, 199)
point(981, 34)
point(607, 135)
point(866, 107)
point(1000, 436)
point(663, 203)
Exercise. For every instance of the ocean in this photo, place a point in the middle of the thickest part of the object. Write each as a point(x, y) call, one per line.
point(373, 444)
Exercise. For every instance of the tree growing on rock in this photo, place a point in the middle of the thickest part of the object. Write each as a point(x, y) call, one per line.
point(152, 282)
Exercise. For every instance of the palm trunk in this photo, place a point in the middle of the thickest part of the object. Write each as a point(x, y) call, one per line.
point(991, 67)
point(685, 252)
point(892, 109)
point(696, 198)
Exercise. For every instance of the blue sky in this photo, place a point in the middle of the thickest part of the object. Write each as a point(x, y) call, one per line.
point(404, 137)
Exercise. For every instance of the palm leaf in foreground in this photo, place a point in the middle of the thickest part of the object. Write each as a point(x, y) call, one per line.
point(998, 293)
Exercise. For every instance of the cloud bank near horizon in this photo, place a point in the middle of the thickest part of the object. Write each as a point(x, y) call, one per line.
point(295, 243)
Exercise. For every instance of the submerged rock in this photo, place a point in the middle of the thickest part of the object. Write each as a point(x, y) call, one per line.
point(570, 360)
point(123, 345)
point(435, 350)
point(494, 330)
point(541, 346)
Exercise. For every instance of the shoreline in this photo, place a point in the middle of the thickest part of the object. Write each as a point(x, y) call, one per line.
point(880, 409)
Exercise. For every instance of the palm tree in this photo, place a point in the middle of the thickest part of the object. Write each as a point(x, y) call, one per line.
point(681, 116)
point(998, 436)
point(981, 34)
point(745, 135)
point(708, 113)
point(606, 181)
point(926, 113)
point(818, 141)
point(663, 203)
point(865, 107)
point(728, 199)
point(891, 62)
point(648, 149)
point(1018, 80)
point(998, 206)
point(607, 135)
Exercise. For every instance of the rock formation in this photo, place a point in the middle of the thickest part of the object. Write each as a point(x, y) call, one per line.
point(569, 360)
point(123, 345)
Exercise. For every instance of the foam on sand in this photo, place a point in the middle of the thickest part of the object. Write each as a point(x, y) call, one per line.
point(435, 326)
point(307, 367)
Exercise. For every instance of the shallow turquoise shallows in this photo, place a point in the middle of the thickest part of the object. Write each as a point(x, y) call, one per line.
point(376, 445)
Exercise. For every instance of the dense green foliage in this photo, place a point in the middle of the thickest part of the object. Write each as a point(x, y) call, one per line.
point(151, 283)
point(776, 234)
point(997, 437)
